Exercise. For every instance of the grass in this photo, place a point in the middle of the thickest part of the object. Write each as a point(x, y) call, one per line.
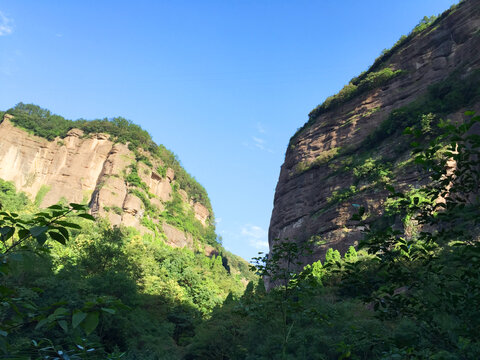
point(44, 189)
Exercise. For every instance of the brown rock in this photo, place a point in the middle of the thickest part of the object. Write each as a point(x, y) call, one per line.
point(176, 237)
point(201, 213)
point(301, 206)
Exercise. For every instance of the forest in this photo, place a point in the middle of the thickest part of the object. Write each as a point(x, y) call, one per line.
point(411, 289)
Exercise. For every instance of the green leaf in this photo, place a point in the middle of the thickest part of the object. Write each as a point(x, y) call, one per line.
point(86, 216)
point(23, 233)
point(107, 310)
point(77, 318)
point(60, 311)
point(69, 224)
point(63, 324)
point(41, 239)
point(38, 230)
point(56, 207)
point(41, 323)
point(91, 322)
point(77, 206)
point(64, 232)
point(57, 237)
point(3, 333)
point(7, 232)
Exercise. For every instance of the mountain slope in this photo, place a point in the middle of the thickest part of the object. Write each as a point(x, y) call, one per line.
point(115, 167)
point(352, 148)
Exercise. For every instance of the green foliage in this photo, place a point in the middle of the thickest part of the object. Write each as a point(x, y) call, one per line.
point(10, 199)
point(371, 80)
point(115, 209)
point(183, 218)
point(332, 256)
point(373, 170)
point(187, 182)
point(72, 295)
point(409, 296)
point(133, 179)
point(44, 189)
point(442, 98)
point(341, 195)
point(323, 158)
point(351, 254)
point(162, 171)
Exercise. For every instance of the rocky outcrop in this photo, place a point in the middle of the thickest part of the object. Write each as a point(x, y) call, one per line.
point(88, 169)
point(306, 204)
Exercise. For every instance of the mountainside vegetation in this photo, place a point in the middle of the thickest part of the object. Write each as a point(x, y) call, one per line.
point(41, 122)
point(71, 290)
point(98, 292)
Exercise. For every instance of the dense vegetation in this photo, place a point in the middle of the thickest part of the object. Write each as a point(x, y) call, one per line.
point(43, 123)
point(411, 292)
point(96, 292)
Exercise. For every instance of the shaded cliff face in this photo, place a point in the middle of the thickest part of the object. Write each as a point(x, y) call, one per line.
point(93, 170)
point(346, 155)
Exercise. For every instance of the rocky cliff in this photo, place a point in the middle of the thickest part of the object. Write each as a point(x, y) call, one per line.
point(352, 146)
point(94, 169)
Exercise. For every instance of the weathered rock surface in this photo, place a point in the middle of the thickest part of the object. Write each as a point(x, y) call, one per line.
point(87, 170)
point(301, 206)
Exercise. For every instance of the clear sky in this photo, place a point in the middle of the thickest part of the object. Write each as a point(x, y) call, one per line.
point(223, 84)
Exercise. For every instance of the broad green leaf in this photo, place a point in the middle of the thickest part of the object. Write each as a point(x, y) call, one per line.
point(77, 206)
point(68, 224)
point(63, 324)
point(41, 323)
point(91, 322)
point(107, 310)
point(55, 207)
point(60, 311)
point(41, 239)
point(64, 232)
point(77, 318)
point(86, 216)
point(7, 232)
point(38, 230)
point(57, 237)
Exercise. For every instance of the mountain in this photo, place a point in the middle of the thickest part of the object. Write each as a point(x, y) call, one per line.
point(128, 185)
point(137, 280)
point(352, 147)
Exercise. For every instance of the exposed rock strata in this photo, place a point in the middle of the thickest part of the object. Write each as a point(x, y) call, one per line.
point(87, 170)
point(301, 206)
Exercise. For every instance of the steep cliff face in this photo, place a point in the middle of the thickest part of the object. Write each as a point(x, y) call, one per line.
point(348, 151)
point(93, 169)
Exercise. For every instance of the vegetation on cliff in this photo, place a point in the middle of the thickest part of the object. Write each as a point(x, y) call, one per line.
point(378, 74)
point(43, 123)
point(411, 292)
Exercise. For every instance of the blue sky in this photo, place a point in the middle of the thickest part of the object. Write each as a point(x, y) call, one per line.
point(223, 84)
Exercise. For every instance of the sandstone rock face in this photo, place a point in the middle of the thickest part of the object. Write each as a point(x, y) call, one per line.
point(89, 170)
point(201, 213)
point(177, 238)
point(302, 208)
